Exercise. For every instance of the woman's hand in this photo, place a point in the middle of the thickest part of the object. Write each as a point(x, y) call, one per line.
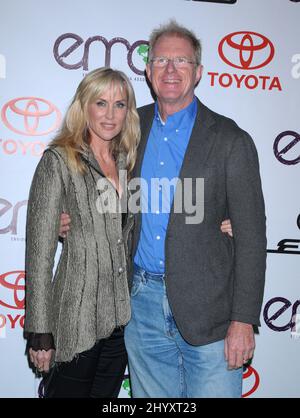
point(226, 227)
point(41, 359)
point(64, 226)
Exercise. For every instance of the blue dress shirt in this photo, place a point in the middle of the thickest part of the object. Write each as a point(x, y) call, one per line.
point(165, 150)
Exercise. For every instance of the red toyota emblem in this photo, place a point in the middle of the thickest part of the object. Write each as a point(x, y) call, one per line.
point(251, 375)
point(246, 50)
point(31, 116)
point(11, 281)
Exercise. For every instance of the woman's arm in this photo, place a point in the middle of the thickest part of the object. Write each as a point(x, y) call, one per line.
point(44, 208)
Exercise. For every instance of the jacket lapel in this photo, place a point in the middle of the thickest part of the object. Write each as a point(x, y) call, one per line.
point(146, 118)
point(198, 149)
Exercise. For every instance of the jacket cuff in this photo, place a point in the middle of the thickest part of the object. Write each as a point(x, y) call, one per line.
point(39, 341)
point(247, 319)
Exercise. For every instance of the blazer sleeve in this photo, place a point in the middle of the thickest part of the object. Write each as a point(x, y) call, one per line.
point(247, 213)
point(42, 227)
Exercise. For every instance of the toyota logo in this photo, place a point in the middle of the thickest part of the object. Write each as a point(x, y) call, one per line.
point(246, 50)
point(37, 116)
point(254, 380)
point(11, 280)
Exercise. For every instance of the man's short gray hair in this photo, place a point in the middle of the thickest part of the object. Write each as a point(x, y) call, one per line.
point(172, 28)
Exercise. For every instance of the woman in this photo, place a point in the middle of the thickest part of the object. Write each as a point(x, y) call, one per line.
point(76, 318)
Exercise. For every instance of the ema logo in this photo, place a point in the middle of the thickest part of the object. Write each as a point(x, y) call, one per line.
point(136, 54)
point(278, 307)
point(9, 215)
point(285, 155)
point(247, 51)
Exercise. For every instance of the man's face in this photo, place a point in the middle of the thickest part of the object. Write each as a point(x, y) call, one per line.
point(174, 86)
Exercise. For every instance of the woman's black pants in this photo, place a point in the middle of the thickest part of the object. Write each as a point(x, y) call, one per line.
point(96, 373)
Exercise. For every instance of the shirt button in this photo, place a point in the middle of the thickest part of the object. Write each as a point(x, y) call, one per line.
point(177, 130)
point(157, 212)
point(158, 237)
point(161, 163)
point(160, 188)
point(120, 270)
point(165, 139)
point(161, 262)
point(120, 241)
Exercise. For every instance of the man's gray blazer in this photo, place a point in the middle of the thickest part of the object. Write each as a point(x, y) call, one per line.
point(212, 279)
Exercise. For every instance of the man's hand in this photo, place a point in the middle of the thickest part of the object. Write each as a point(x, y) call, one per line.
point(239, 344)
point(64, 227)
point(41, 359)
point(226, 227)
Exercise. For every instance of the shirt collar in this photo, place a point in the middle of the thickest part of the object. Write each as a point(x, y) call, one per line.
point(181, 118)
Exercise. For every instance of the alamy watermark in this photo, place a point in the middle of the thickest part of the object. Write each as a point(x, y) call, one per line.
point(296, 68)
point(184, 196)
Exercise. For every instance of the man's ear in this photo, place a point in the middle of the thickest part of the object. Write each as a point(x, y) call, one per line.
point(199, 72)
point(148, 71)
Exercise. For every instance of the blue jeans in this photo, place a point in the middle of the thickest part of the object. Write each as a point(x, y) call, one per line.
point(161, 363)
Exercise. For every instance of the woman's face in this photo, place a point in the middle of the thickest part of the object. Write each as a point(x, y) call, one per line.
point(107, 114)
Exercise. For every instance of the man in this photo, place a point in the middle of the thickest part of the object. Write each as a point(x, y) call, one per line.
point(196, 293)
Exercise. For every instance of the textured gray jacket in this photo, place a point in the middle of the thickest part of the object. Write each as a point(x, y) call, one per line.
point(88, 296)
point(212, 279)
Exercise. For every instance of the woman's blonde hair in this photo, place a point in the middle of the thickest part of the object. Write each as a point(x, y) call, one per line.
point(73, 135)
